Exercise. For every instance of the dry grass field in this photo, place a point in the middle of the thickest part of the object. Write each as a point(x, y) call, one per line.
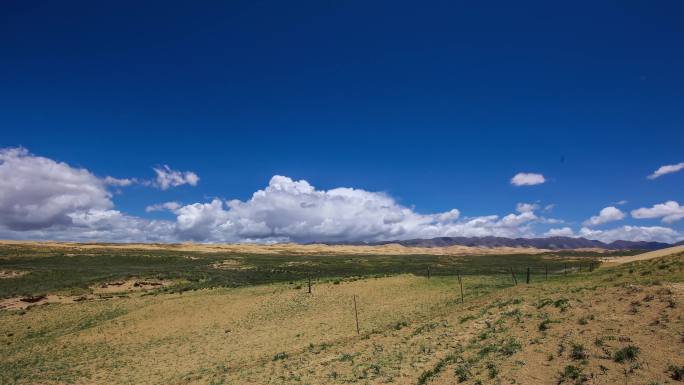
point(622, 324)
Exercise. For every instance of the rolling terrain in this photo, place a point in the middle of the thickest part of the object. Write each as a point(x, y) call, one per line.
point(232, 318)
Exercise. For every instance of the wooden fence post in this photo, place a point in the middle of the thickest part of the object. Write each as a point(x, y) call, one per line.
point(546, 272)
point(356, 315)
point(528, 275)
point(428, 271)
point(515, 280)
point(460, 284)
point(309, 284)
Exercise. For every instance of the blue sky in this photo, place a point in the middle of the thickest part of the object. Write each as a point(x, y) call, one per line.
point(435, 105)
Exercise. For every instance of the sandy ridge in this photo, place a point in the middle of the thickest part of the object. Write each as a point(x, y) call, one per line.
point(286, 248)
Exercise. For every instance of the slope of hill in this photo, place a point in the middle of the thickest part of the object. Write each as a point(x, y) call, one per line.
point(553, 243)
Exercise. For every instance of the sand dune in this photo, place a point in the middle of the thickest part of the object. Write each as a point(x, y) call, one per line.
point(287, 248)
point(644, 256)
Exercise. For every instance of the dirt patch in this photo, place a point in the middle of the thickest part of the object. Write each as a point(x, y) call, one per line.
point(22, 303)
point(104, 291)
point(298, 263)
point(11, 274)
point(127, 286)
point(231, 264)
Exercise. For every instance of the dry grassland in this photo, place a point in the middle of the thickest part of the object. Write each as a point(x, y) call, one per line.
point(616, 325)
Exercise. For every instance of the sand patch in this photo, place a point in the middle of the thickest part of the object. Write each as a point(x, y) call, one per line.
point(613, 261)
point(231, 264)
point(21, 303)
point(129, 285)
point(100, 292)
point(4, 274)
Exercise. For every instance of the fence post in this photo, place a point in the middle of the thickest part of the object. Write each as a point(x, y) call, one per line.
point(428, 271)
point(515, 280)
point(460, 284)
point(309, 277)
point(546, 272)
point(356, 315)
point(528, 275)
point(565, 271)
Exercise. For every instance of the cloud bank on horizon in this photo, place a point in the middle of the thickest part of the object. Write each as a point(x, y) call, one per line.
point(41, 198)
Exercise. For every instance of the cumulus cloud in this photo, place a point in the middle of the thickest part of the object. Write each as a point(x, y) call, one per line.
point(37, 192)
point(560, 232)
point(44, 199)
point(669, 211)
point(167, 177)
point(41, 198)
point(633, 233)
point(607, 214)
point(296, 211)
point(667, 169)
point(527, 179)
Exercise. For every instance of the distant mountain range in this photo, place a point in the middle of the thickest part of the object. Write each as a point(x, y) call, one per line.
point(553, 243)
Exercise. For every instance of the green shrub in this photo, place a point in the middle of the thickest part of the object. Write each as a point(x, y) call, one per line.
point(578, 352)
point(462, 372)
point(510, 347)
point(628, 353)
point(572, 372)
point(676, 373)
point(492, 370)
point(544, 325)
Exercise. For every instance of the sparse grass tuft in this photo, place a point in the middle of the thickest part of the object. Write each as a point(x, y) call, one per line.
point(510, 347)
point(462, 372)
point(438, 368)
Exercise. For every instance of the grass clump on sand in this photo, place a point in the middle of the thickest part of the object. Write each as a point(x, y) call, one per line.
point(572, 374)
point(628, 353)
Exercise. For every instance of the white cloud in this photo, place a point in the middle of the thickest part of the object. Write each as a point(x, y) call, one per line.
point(296, 211)
point(667, 169)
point(621, 203)
point(44, 199)
point(527, 179)
point(37, 192)
point(548, 208)
point(633, 233)
point(526, 207)
point(560, 232)
point(170, 206)
point(167, 177)
point(607, 214)
point(670, 211)
point(111, 181)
